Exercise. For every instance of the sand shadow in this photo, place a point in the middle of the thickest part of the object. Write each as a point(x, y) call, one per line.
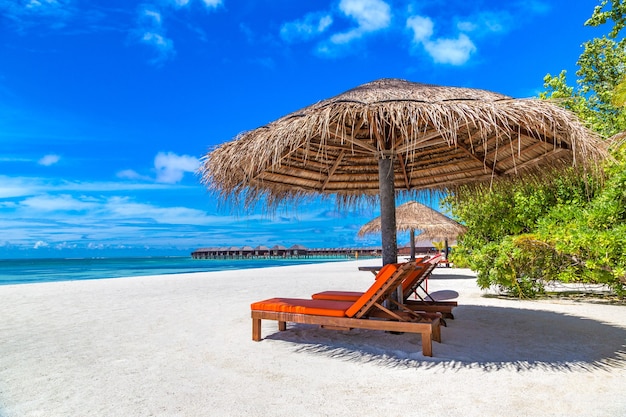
point(485, 337)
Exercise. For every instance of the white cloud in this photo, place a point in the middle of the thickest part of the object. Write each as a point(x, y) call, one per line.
point(25, 14)
point(33, 4)
point(171, 167)
point(14, 187)
point(14, 159)
point(82, 218)
point(129, 174)
point(124, 208)
point(102, 220)
point(65, 245)
point(48, 160)
point(458, 49)
point(486, 23)
point(152, 33)
point(164, 46)
point(153, 15)
point(212, 3)
point(11, 187)
point(466, 26)
point(422, 28)
point(453, 51)
point(61, 202)
point(310, 26)
point(346, 37)
point(185, 3)
point(180, 3)
point(53, 7)
point(151, 29)
point(370, 15)
point(66, 215)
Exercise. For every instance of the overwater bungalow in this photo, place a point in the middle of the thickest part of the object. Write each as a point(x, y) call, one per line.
point(279, 251)
point(262, 251)
point(298, 251)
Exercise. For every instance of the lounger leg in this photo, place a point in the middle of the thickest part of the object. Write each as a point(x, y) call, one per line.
point(436, 331)
point(427, 344)
point(282, 326)
point(256, 329)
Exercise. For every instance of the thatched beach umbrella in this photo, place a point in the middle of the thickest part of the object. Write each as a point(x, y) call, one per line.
point(414, 216)
point(390, 136)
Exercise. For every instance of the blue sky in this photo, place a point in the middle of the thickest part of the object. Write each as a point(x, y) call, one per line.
point(107, 106)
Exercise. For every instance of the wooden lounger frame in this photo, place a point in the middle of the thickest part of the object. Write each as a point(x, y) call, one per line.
point(443, 307)
point(429, 330)
point(427, 303)
point(372, 316)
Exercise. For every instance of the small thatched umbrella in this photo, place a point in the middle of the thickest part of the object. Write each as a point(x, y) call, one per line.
point(414, 216)
point(390, 136)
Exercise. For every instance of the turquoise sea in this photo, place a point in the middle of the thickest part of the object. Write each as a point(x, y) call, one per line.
point(24, 271)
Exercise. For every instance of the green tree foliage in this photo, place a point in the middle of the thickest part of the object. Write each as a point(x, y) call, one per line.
point(617, 13)
point(619, 98)
point(602, 69)
point(512, 229)
point(571, 228)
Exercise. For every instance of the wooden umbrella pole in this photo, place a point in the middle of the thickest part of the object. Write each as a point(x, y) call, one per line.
point(387, 210)
point(412, 244)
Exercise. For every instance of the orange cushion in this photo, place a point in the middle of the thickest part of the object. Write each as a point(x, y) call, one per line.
point(416, 274)
point(337, 295)
point(413, 277)
point(384, 274)
point(302, 306)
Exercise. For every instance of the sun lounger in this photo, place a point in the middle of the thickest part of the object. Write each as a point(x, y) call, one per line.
point(367, 312)
point(426, 301)
point(414, 283)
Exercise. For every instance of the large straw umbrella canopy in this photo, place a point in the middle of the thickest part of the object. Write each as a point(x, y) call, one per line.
point(412, 216)
point(391, 136)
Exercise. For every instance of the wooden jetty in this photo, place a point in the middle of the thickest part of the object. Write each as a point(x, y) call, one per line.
point(279, 251)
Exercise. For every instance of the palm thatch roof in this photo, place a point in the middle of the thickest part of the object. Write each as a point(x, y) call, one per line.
point(417, 216)
point(617, 140)
point(438, 138)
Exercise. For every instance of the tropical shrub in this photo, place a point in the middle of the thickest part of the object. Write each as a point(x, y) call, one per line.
point(571, 228)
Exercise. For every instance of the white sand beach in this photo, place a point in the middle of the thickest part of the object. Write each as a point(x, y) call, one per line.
point(180, 345)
